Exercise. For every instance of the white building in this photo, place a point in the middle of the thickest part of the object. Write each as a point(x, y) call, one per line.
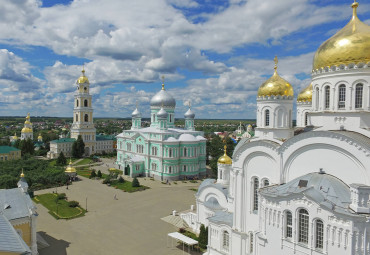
point(306, 194)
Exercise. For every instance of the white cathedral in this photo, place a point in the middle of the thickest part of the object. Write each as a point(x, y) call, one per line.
point(308, 193)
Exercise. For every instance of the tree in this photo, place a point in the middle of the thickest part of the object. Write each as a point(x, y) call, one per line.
point(92, 174)
point(27, 147)
point(135, 182)
point(216, 150)
point(61, 160)
point(99, 174)
point(203, 237)
point(78, 148)
point(121, 180)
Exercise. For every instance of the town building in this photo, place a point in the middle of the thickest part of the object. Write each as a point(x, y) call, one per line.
point(286, 194)
point(83, 125)
point(18, 218)
point(162, 151)
point(9, 153)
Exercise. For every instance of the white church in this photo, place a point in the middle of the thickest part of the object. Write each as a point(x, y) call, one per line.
point(309, 193)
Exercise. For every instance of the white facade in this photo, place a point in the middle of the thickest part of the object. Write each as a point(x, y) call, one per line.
point(303, 194)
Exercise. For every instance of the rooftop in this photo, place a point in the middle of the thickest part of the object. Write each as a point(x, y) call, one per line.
point(7, 149)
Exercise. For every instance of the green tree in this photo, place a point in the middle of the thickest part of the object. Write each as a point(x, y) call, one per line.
point(78, 148)
point(27, 147)
point(92, 174)
point(203, 237)
point(61, 160)
point(121, 180)
point(135, 182)
point(99, 174)
point(216, 149)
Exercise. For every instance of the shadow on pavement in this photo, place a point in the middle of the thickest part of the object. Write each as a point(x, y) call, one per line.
point(57, 247)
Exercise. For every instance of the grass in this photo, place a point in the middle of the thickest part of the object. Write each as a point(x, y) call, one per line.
point(85, 172)
point(60, 209)
point(127, 186)
point(194, 189)
point(85, 161)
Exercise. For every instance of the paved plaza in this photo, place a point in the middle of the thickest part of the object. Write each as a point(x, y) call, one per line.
point(129, 225)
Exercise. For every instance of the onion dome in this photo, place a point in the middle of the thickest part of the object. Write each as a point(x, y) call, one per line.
point(136, 114)
point(83, 78)
point(70, 168)
point(225, 159)
point(305, 95)
point(275, 86)
point(22, 174)
point(15, 137)
point(39, 137)
point(163, 97)
point(162, 113)
point(26, 130)
point(189, 114)
point(349, 45)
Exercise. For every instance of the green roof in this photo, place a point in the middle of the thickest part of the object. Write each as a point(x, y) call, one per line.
point(105, 137)
point(64, 140)
point(7, 149)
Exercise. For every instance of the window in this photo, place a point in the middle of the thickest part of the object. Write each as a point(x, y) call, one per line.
point(251, 243)
point(303, 226)
point(86, 118)
point(306, 118)
point(317, 98)
point(225, 240)
point(288, 225)
point(255, 194)
point(76, 117)
point(77, 102)
point(170, 152)
point(85, 103)
point(184, 168)
point(327, 97)
point(170, 117)
point(140, 148)
point(185, 152)
point(358, 95)
point(154, 151)
point(137, 168)
point(154, 166)
point(170, 169)
point(342, 97)
point(319, 234)
point(267, 118)
point(129, 146)
point(266, 183)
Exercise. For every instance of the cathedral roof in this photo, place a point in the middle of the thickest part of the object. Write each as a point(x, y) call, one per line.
point(82, 78)
point(189, 114)
point(162, 113)
point(305, 95)
point(349, 45)
point(136, 113)
point(163, 98)
point(225, 159)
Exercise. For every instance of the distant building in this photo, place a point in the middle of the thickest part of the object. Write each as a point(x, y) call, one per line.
point(83, 124)
point(17, 221)
point(162, 151)
point(9, 153)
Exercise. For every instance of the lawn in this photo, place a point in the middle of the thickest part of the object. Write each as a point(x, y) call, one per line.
point(60, 210)
point(85, 161)
point(85, 172)
point(127, 186)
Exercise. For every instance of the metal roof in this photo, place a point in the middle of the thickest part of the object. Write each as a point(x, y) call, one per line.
point(222, 217)
point(18, 203)
point(7, 149)
point(10, 240)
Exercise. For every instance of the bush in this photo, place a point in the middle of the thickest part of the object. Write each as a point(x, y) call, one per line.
point(121, 180)
point(93, 174)
point(61, 196)
point(99, 174)
point(182, 230)
point(203, 237)
point(135, 183)
point(107, 180)
point(73, 204)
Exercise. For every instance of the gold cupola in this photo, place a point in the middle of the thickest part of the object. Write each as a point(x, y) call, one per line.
point(70, 168)
point(275, 86)
point(224, 159)
point(26, 130)
point(305, 95)
point(83, 78)
point(350, 45)
point(39, 137)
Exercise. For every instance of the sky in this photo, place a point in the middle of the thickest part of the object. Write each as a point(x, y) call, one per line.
point(213, 53)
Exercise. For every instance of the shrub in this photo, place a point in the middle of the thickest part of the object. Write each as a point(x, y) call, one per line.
point(73, 204)
point(61, 196)
point(135, 183)
point(203, 237)
point(107, 180)
point(99, 174)
point(121, 180)
point(182, 230)
point(93, 174)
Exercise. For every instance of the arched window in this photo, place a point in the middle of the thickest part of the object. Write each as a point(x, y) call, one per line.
point(170, 152)
point(170, 169)
point(86, 118)
point(288, 225)
point(76, 117)
point(306, 118)
point(77, 103)
point(319, 234)
point(170, 117)
point(267, 118)
point(251, 241)
point(85, 103)
point(317, 99)
point(255, 194)
point(225, 240)
point(327, 97)
point(358, 95)
point(185, 152)
point(129, 146)
point(342, 96)
point(184, 168)
point(303, 220)
point(266, 183)
point(154, 151)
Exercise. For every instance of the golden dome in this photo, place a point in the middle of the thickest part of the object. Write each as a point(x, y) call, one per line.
point(83, 78)
point(27, 122)
point(26, 130)
point(70, 168)
point(22, 174)
point(15, 137)
point(275, 86)
point(305, 95)
point(224, 159)
point(39, 137)
point(349, 45)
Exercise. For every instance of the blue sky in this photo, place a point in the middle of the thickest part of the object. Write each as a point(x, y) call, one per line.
point(213, 53)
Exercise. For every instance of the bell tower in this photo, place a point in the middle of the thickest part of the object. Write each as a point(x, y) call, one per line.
point(83, 123)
